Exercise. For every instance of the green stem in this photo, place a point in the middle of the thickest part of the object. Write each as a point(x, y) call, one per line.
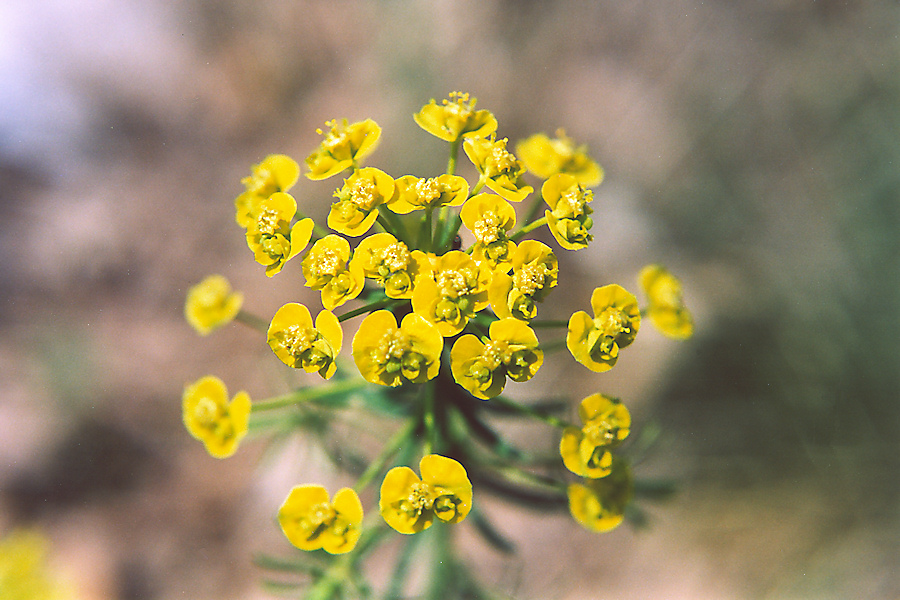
point(480, 184)
point(425, 235)
point(390, 448)
point(449, 233)
point(310, 394)
point(537, 324)
point(528, 228)
point(553, 346)
point(534, 208)
point(428, 418)
point(252, 321)
point(386, 224)
point(383, 303)
point(318, 231)
point(530, 412)
point(520, 476)
point(454, 152)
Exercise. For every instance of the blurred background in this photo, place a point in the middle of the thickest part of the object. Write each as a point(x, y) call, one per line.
point(752, 147)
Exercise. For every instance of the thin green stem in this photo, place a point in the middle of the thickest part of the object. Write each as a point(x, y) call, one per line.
point(386, 224)
point(318, 231)
point(530, 412)
point(428, 418)
point(449, 233)
point(528, 228)
point(252, 321)
point(553, 345)
point(392, 446)
point(425, 233)
point(454, 152)
point(516, 475)
point(548, 324)
point(534, 208)
point(383, 303)
point(310, 394)
point(480, 184)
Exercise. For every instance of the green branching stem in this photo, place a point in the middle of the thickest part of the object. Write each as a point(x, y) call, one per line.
point(392, 446)
point(528, 229)
point(530, 412)
point(547, 324)
point(252, 321)
point(372, 306)
point(310, 394)
point(385, 223)
point(534, 208)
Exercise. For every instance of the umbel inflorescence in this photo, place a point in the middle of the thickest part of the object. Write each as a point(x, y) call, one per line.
point(444, 329)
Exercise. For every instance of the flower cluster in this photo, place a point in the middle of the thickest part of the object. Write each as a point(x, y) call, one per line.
point(434, 314)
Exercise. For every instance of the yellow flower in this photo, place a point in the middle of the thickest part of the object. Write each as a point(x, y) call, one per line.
point(276, 173)
point(270, 235)
point(298, 344)
point(327, 268)
point(569, 217)
point(666, 311)
point(453, 293)
point(414, 193)
point(546, 157)
point(389, 355)
point(455, 118)
point(24, 569)
point(311, 521)
point(605, 423)
point(410, 505)
point(211, 304)
point(356, 209)
point(599, 504)
point(482, 368)
point(490, 218)
point(595, 342)
point(343, 147)
point(388, 261)
point(210, 418)
point(500, 170)
point(535, 273)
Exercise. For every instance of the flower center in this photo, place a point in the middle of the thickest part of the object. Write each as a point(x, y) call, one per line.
point(420, 497)
point(453, 283)
point(327, 262)
point(531, 277)
point(267, 222)
point(611, 322)
point(394, 256)
point(391, 347)
point(603, 433)
point(459, 105)
point(318, 515)
point(207, 411)
point(364, 194)
point(496, 353)
point(574, 200)
point(298, 339)
point(428, 190)
point(500, 161)
point(336, 140)
point(487, 228)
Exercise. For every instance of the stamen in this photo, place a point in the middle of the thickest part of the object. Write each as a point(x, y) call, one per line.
point(487, 229)
point(427, 190)
point(531, 277)
point(207, 411)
